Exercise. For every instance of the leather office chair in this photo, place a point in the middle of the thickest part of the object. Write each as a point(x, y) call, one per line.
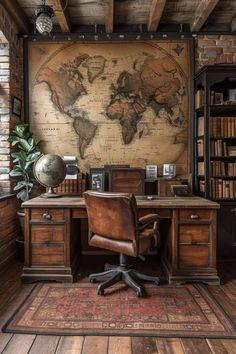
point(114, 225)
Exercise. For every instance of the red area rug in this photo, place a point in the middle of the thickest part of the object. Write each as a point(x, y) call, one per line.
point(76, 309)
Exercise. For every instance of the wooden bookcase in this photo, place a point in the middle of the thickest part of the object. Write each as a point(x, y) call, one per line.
point(215, 148)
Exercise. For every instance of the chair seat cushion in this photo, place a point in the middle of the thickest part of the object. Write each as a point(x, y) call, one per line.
point(125, 247)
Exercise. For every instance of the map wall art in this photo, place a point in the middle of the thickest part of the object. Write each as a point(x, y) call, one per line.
point(112, 103)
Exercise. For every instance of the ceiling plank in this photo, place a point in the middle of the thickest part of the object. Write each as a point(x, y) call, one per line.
point(109, 15)
point(155, 14)
point(62, 14)
point(204, 9)
point(17, 15)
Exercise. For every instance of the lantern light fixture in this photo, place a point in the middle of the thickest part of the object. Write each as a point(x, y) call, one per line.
point(44, 14)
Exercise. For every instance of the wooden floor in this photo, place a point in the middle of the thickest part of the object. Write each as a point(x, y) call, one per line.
point(12, 292)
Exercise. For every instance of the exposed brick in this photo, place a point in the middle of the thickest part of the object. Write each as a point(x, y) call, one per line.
point(4, 170)
point(229, 50)
point(226, 58)
point(206, 42)
point(4, 163)
point(4, 144)
point(224, 43)
point(4, 151)
point(226, 36)
point(4, 176)
point(4, 157)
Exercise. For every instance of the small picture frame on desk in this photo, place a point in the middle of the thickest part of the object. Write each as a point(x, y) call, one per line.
point(151, 172)
point(232, 95)
point(169, 170)
point(16, 106)
point(97, 179)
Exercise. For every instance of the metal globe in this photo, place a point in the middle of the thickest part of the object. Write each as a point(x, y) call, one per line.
point(49, 171)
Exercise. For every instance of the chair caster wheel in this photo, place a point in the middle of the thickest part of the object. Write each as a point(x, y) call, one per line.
point(93, 280)
point(100, 292)
point(140, 293)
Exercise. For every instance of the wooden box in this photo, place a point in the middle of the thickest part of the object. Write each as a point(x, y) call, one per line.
point(127, 180)
point(164, 186)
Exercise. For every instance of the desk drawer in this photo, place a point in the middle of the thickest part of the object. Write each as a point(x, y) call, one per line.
point(48, 233)
point(195, 214)
point(194, 234)
point(164, 213)
point(47, 254)
point(191, 256)
point(41, 214)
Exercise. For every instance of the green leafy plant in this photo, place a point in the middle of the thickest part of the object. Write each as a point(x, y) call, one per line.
point(27, 151)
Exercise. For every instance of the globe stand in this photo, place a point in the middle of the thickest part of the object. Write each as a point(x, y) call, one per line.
point(50, 194)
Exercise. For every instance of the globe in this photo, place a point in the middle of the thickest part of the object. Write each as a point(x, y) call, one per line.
point(49, 171)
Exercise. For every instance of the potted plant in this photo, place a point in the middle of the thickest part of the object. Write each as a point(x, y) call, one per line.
point(24, 156)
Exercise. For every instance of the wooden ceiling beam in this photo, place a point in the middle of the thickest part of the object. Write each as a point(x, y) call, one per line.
point(17, 15)
point(204, 9)
point(62, 14)
point(156, 10)
point(109, 15)
point(233, 25)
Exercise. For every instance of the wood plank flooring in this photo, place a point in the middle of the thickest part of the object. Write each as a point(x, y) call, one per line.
point(12, 292)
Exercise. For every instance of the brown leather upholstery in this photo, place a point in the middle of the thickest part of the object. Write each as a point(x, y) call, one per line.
point(114, 225)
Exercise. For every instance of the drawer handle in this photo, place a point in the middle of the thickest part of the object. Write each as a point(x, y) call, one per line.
point(47, 242)
point(47, 215)
point(194, 216)
point(193, 242)
point(233, 210)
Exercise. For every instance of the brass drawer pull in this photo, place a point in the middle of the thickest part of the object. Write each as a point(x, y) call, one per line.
point(193, 242)
point(47, 215)
point(194, 216)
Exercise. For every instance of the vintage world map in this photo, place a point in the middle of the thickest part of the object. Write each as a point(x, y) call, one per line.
point(111, 103)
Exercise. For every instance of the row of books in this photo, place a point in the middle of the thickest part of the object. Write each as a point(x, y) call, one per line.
point(220, 168)
point(223, 189)
point(78, 185)
point(223, 126)
point(221, 148)
point(215, 98)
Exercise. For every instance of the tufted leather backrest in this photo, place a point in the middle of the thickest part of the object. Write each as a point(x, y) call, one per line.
point(112, 215)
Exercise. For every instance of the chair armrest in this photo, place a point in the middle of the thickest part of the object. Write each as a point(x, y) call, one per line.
point(144, 221)
point(154, 219)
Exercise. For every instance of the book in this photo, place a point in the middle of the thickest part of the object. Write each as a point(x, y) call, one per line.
point(200, 126)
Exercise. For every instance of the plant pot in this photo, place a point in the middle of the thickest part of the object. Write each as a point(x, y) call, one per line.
point(20, 248)
point(21, 216)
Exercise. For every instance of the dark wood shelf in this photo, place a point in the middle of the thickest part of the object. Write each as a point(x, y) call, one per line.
point(223, 138)
point(223, 158)
point(225, 177)
point(221, 109)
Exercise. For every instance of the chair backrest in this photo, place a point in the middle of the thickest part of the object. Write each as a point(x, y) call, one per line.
point(112, 215)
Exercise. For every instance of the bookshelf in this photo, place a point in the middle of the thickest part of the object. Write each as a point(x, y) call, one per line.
point(215, 147)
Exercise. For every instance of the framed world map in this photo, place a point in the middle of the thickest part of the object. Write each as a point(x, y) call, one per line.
point(113, 102)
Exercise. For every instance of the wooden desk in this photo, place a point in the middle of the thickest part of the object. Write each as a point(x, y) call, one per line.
point(52, 237)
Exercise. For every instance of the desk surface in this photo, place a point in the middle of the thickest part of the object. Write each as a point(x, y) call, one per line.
point(142, 202)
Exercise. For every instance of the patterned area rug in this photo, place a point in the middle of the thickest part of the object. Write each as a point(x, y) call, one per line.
point(76, 309)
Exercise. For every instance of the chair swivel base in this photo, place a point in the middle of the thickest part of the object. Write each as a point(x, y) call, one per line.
point(125, 273)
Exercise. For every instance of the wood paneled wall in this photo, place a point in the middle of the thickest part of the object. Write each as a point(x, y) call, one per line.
point(9, 229)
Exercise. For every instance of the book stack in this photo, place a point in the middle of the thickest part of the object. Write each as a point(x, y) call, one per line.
point(223, 126)
point(201, 169)
point(201, 126)
point(219, 148)
point(223, 189)
point(199, 98)
point(73, 186)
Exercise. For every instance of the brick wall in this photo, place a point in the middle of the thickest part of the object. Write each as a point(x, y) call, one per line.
point(11, 83)
point(215, 49)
